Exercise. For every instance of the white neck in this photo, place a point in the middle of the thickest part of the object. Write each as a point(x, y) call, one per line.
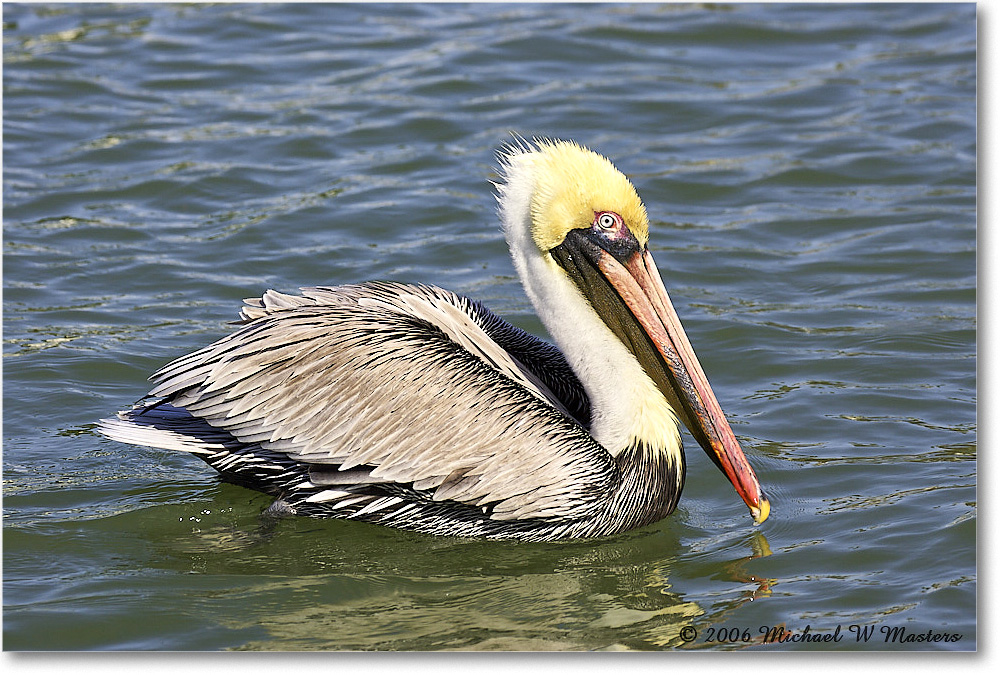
point(626, 405)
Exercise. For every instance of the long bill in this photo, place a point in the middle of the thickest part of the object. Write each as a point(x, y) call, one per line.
point(634, 277)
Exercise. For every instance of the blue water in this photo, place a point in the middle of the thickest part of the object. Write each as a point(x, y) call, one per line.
point(810, 174)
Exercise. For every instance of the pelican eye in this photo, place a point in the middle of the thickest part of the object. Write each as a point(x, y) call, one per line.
point(608, 221)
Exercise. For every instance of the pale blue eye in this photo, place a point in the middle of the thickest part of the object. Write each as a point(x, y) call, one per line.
point(607, 221)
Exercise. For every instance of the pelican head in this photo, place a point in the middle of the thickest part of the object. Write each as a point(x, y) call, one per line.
point(578, 234)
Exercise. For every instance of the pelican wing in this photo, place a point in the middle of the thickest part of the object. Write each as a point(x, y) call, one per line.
point(396, 383)
point(537, 364)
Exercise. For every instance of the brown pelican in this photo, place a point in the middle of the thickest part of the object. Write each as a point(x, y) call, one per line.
point(413, 407)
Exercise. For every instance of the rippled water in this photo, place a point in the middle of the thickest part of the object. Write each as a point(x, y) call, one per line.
point(810, 174)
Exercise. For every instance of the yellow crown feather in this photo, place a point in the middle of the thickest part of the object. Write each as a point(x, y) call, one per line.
point(574, 183)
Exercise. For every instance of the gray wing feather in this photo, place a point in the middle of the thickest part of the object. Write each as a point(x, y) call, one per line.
point(401, 380)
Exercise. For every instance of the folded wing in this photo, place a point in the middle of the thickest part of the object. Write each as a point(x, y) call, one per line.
point(392, 383)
